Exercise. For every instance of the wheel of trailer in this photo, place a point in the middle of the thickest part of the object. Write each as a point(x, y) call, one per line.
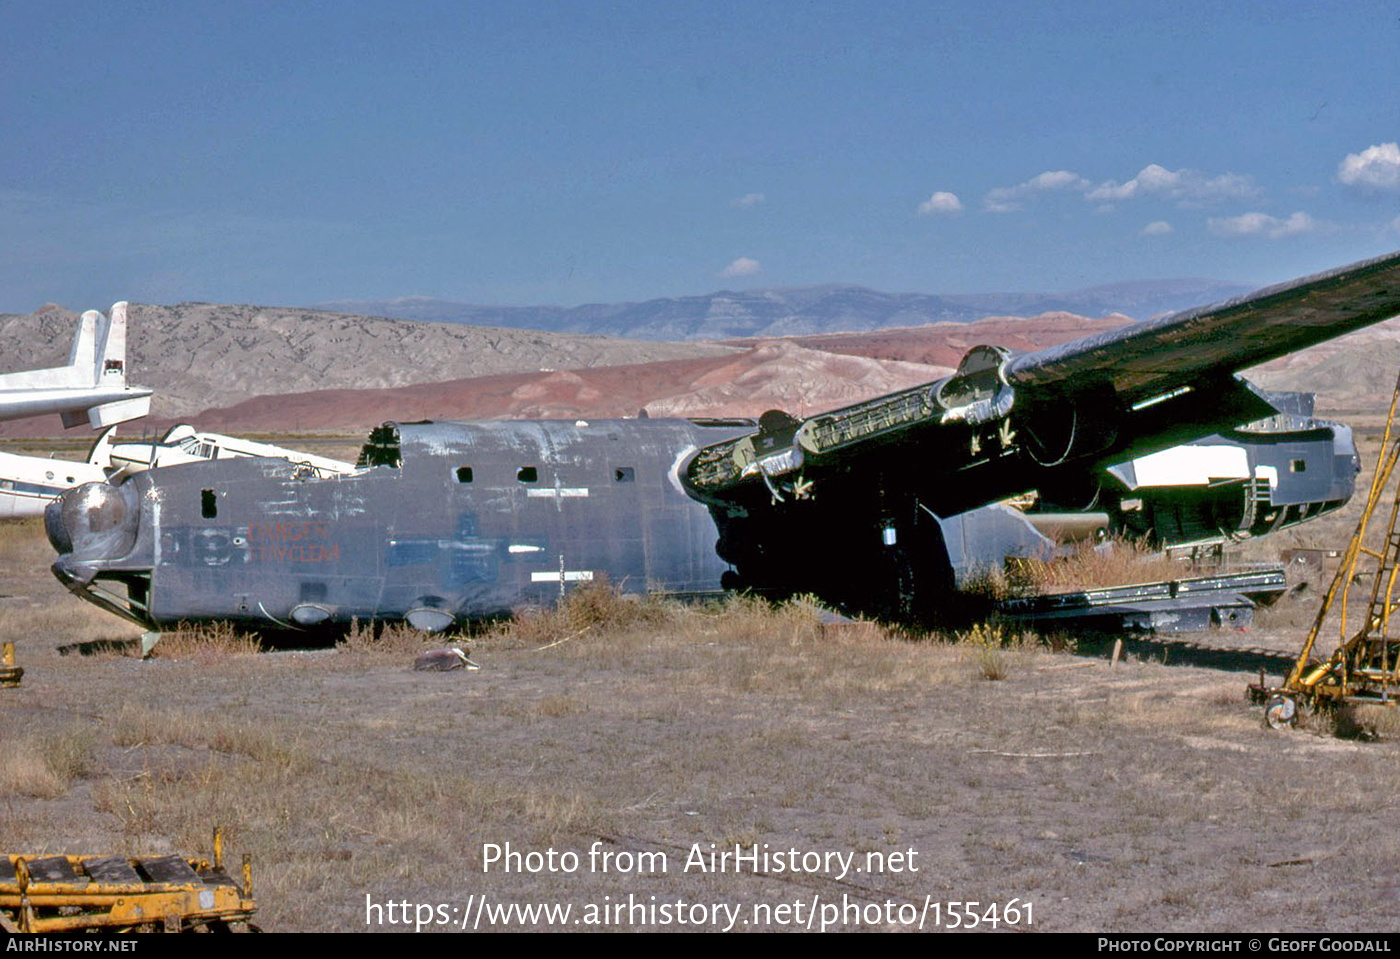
point(1281, 712)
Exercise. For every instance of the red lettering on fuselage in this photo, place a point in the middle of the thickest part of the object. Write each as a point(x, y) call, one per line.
point(285, 532)
point(292, 543)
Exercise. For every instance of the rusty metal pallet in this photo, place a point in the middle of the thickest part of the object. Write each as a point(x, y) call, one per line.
point(117, 894)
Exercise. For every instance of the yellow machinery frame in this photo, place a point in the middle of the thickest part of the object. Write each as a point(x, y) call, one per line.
point(44, 894)
point(10, 674)
point(1365, 668)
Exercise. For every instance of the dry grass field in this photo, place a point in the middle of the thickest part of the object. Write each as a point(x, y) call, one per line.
point(1142, 796)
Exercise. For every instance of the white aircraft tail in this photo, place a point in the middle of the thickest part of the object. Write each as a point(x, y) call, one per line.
point(101, 453)
point(91, 386)
point(111, 370)
point(83, 355)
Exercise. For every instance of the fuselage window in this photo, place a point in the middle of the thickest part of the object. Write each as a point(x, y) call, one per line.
point(208, 504)
point(464, 474)
point(624, 474)
point(1298, 466)
point(527, 474)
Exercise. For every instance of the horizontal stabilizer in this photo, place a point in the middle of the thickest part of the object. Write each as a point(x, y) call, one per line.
point(110, 414)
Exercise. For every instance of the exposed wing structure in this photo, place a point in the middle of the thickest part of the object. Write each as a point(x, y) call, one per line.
point(854, 500)
point(1148, 359)
point(1115, 394)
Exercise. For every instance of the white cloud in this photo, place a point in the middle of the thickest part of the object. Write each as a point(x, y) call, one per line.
point(1005, 199)
point(941, 202)
point(1184, 186)
point(1261, 224)
point(748, 200)
point(1056, 180)
point(741, 267)
point(1374, 168)
point(1157, 228)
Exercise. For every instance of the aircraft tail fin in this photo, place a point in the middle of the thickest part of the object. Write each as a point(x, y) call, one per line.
point(109, 371)
point(83, 355)
point(101, 452)
point(91, 386)
point(84, 367)
point(110, 368)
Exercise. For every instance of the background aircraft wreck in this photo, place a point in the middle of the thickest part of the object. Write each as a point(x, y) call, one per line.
point(91, 386)
point(29, 483)
point(185, 444)
point(866, 506)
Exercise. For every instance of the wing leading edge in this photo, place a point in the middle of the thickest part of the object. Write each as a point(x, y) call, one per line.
point(1148, 359)
point(1002, 422)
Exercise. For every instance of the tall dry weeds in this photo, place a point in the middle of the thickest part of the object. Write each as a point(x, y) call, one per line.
point(393, 641)
point(206, 642)
point(592, 608)
point(1116, 562)
point(44, 765)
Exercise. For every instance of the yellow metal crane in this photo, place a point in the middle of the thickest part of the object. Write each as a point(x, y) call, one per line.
point(1365, 667)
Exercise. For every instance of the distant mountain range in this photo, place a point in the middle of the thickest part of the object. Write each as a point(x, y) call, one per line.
point(798, 311)
point(202, 355)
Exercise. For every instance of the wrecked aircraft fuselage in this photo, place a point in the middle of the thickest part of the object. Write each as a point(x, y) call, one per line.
point(445, 522)
point(449, 522)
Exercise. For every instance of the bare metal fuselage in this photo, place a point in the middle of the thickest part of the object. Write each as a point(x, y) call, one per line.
point(461, 521)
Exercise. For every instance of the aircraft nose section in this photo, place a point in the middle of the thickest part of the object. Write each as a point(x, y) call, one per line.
point(90, 525)
point(55, 530)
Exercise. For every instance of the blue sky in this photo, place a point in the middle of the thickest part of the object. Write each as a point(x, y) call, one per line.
point(564, 153)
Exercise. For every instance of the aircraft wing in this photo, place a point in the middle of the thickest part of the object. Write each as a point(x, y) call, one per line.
point(1146, 359)
point(1004, 424)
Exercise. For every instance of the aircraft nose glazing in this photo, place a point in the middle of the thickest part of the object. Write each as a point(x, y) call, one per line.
point(90, 525)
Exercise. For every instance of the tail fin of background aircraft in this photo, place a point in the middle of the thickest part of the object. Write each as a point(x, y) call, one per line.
point(108, 371)
point(101, 452)
point(83, 356)
point(91, 386)
point(112, 369)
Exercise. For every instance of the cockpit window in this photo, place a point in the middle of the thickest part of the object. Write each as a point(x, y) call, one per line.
point(382, 448)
